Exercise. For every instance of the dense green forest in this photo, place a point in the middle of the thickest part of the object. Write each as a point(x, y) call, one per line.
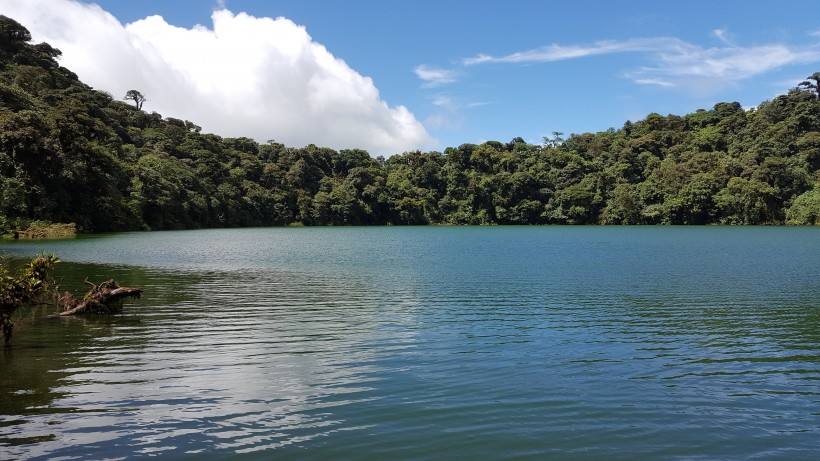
point(69, 153)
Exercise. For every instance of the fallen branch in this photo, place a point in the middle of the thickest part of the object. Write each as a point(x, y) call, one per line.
point(105, 298)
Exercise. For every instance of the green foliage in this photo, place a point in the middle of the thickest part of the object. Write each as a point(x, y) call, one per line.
point(24, 287)
point(805, 209)
point(812, 84)
point(12, 33)
point(72, 154)
point(747, 201)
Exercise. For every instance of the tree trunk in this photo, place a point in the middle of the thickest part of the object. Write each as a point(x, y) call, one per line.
point(105, 298)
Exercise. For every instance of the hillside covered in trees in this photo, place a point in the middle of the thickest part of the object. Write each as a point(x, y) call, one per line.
point(69, 153)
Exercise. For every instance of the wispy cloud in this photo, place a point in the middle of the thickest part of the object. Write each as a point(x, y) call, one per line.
point(446, 102)
point(728, 63)
point(723, 35)
point(671, 62)
point(443, 101)
point(433, 76)
point(654, 81)
point(556, 52)
point(449, 112)
point(445, 121)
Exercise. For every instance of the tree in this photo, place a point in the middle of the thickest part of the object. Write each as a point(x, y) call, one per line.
point(812, 83)
point(746, 201)
point(555, 141)
point(12, 33)
point(137, 97)
point(806, 209)
point(625, 205)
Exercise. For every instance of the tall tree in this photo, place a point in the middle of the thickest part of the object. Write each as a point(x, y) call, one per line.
point(812, 83)
point(137, 97)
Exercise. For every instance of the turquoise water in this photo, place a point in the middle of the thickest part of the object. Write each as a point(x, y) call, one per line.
point(426, 343)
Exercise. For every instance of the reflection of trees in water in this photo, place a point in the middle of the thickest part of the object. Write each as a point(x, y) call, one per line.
point(33, 367)
point(47, 353)
point(787, 320)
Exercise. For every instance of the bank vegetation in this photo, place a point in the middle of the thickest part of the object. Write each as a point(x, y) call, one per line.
point(72, 154)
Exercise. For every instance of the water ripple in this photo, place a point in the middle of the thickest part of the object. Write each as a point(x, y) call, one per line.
point(536, 344)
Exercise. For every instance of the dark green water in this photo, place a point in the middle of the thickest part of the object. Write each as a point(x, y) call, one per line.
point(561, 343)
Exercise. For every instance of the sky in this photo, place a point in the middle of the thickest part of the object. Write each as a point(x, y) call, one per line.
point(390, 76)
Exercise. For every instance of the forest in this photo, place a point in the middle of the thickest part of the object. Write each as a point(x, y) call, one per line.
point(72, 154)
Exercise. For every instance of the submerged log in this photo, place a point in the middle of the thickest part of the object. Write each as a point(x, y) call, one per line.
point(104, 298)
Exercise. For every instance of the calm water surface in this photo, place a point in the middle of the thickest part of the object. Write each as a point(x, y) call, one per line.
point(426, 343)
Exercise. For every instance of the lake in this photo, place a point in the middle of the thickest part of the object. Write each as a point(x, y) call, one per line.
point(426, 343)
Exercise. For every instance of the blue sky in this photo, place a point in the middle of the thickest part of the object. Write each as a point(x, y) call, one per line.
point(452, 72)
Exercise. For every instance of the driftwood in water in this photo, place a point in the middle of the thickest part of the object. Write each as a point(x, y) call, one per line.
point(104, 298)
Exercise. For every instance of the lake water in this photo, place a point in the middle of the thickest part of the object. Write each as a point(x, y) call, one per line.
point(426, 343)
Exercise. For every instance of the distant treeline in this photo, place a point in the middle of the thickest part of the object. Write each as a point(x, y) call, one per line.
point(69, 153)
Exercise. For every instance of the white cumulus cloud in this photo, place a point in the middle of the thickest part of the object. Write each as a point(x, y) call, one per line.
point(242, 76)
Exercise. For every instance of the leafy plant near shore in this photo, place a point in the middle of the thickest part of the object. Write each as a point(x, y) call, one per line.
point(28, 286)
point(69, 153)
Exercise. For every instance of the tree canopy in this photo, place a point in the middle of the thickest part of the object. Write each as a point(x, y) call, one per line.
point(137, 97)
point(69, 153)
